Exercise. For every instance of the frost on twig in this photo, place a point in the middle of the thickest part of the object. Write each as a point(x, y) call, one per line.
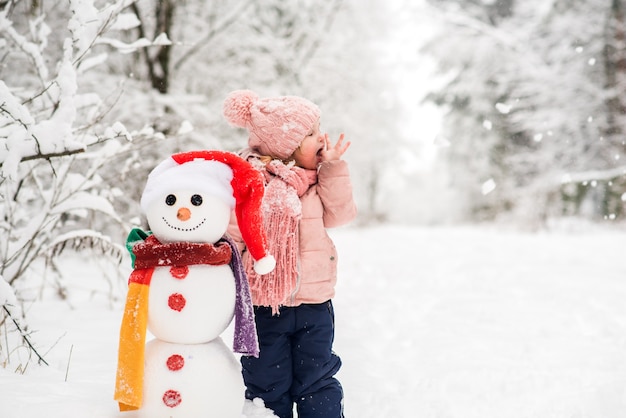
point(25, 336)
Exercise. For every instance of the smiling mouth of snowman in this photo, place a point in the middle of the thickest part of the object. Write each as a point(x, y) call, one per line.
point(183, 229)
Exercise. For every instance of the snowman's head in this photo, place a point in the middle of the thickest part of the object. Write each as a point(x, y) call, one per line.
point(188, 215)
point(189, 202)
point(189, 197)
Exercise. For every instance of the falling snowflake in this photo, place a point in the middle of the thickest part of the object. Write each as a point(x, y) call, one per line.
point(488, 187)
point(503, 108)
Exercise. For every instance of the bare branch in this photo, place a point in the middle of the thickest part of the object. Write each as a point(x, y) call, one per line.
point(44, 156)
point(25, 336)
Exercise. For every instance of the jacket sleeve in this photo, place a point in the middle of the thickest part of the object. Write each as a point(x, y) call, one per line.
point(335, 190)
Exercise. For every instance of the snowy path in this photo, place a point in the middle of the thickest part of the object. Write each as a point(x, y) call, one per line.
point(474, 323)
point(431, 322)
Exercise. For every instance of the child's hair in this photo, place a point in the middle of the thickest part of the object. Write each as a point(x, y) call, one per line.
point(276, 125)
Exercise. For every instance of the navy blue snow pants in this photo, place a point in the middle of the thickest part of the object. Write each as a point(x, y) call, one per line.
point(296, 363)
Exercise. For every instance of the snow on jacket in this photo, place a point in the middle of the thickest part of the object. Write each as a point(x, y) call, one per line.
point(327, 204)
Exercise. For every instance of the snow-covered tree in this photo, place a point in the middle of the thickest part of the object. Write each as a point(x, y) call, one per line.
point(533, 104)
point(57, 187)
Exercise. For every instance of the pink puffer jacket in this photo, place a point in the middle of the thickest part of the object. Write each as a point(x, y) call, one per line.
point(327, 204)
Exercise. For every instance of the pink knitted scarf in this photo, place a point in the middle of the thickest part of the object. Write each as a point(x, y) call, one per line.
point(282, 211)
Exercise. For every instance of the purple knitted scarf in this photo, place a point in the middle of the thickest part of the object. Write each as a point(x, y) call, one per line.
point(245, 339)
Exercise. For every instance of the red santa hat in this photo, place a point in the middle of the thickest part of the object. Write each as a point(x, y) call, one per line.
point(223, 174)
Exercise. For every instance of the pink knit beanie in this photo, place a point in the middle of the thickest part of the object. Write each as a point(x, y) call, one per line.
point(276, 125)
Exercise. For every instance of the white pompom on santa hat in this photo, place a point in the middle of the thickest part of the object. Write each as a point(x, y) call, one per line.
point(223, 174)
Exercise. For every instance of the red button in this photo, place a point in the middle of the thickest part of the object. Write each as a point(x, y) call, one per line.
point(179, 272)
point(176, 301)
point(172, 398)
point(175, 362)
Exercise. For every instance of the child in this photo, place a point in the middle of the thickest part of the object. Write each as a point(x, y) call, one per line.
point(307, 190)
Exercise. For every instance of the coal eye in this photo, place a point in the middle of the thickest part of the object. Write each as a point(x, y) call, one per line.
point(170, 200)
point(196, 200)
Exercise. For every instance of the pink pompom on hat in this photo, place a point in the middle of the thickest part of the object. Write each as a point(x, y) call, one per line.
point(276, 125)
point(226, 175)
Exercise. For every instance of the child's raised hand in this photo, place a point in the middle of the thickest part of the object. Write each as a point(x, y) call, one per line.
point(334, 152)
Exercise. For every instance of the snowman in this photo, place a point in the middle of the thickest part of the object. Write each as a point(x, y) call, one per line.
point(187, 285)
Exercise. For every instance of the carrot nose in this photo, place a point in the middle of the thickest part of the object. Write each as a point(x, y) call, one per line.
point(183, 214)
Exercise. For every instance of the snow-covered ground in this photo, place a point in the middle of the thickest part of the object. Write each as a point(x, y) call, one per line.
point(431, 322)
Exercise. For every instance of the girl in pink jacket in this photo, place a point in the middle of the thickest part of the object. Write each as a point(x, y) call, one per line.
point(308, 189)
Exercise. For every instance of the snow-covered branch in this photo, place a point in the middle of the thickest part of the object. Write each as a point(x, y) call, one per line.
point(7, 295)
point(591, 175)
point(31, 50)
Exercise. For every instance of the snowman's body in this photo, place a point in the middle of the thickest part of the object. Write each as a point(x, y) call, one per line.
point(189, 370)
